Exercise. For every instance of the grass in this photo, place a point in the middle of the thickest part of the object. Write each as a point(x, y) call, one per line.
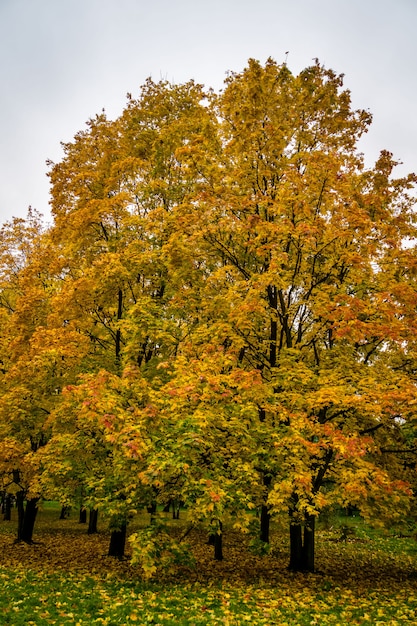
point(366, 577)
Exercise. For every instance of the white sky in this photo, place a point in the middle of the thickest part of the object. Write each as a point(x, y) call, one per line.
point(62, 61)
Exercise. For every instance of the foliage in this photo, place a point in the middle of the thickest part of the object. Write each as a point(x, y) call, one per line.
point(221, 314)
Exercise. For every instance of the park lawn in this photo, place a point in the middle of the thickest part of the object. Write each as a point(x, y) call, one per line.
point(66, 578)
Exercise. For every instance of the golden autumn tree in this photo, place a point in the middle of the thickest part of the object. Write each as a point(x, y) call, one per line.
point(238, 291)
point(32, 362)
point(112, 194)
point(313, 284)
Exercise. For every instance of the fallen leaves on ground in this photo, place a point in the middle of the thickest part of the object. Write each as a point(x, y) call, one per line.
point(66, 578)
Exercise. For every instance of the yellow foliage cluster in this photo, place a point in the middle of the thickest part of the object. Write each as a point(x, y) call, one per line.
point(222, 312)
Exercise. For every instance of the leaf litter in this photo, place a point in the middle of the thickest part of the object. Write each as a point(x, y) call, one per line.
point(66, 577)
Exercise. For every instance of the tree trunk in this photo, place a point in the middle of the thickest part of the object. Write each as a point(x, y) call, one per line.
point(218, 546)
point(7, 507)
point(176, 509)
point(302, 548)
point(83, 516)
point(296, 548)
point(265, 524)
point(64, 512)
point(26, 518)
point(265, 515)
point(92, 521)
point(216, 540)
point(20, 505)
point(151, 508)
point(309, 543)
point(118, 542)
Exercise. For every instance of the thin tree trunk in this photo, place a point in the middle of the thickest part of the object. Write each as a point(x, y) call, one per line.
point(216, 539)
point(20, 505)
point(309, 543)
point(151, 508)
point(218, 546)
point(296, 548)
point(64, 512)
point(176, 509)
point(7, 507)
point(265, 515)
point(83, 515)
point(265, 524)
point(92, 521)
point(118, 339)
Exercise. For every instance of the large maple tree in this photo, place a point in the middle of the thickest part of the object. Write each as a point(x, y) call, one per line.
point(229, 311)
point(309, 286)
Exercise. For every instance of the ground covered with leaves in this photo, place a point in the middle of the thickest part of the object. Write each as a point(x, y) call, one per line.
point(364, 577)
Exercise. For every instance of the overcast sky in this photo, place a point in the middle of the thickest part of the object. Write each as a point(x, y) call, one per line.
point(63, 61)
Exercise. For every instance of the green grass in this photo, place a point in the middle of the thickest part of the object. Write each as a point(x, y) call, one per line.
point(44, 598)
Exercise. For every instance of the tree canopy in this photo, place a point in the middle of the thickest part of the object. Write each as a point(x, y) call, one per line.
point(222, 314)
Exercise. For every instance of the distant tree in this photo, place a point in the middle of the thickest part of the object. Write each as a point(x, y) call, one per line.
point(26, 380)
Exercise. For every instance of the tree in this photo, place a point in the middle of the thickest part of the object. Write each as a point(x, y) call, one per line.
point(308, 289)
point(28, 375)
point(236, 292)
point(111, 195)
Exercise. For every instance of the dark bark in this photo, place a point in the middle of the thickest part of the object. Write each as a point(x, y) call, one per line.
point(7, 507)
point(218, 547)
point(151, 508)
point(83, 516)
point(65, 511)
point(176, 509)
point(118, 339)
point(302, 545)
point(92, 521)
point(265, 524)
point(296, 548)
point(20, 505)
point(265, 514)
point(118, 542)
point(174, 504)
point(302, 528)
point(309, 544)
point(26, 517)
point(216, 539)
